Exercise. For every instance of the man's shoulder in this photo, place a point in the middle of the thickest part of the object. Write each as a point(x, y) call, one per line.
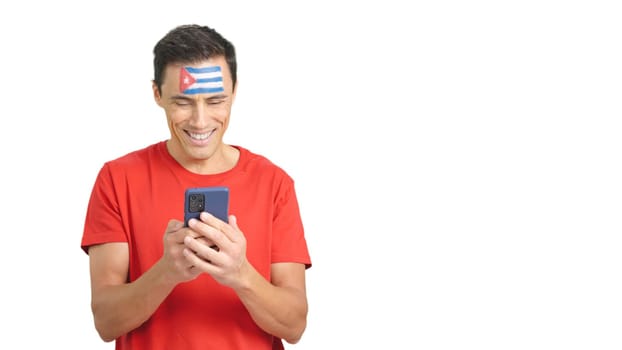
point(256, 162)
point(252, 158)
point(137, 157)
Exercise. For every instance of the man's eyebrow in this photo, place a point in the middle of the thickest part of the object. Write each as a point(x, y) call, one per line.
point(217, 97)
point(180, 97)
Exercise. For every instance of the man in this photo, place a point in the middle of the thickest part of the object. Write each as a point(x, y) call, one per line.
point(157, 284)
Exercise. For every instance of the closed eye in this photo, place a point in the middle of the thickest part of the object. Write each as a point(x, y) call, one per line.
point(181, 101)
point(215, 102)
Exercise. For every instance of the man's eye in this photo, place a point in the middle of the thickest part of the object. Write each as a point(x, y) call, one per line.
point(215, 102)
point(182, 103)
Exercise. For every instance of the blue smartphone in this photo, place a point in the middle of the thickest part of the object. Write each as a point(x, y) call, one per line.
point(214, 200)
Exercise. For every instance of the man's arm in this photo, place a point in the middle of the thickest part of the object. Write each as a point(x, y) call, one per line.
point(278, 306)
point(118, 306)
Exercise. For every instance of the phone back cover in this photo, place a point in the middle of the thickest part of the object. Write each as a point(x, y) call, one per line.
point(216, 202)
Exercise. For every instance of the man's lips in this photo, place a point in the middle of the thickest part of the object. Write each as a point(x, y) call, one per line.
point(200, 136)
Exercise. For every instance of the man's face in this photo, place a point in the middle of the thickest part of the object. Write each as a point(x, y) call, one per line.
point(197, 100)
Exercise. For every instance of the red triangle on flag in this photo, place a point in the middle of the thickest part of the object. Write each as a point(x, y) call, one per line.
point(185, 79)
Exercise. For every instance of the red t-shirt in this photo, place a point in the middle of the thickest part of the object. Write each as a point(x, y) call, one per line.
point(133, 199)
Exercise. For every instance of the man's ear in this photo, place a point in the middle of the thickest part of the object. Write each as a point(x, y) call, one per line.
point(156, 93)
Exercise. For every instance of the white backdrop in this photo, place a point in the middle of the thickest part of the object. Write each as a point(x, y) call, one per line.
point(457, 163)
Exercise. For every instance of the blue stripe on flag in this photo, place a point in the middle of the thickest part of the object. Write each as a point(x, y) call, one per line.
point(209, 80)
point(211, 69)
point(204, 90)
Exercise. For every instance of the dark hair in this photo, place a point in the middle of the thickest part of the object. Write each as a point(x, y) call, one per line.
point(191, 43)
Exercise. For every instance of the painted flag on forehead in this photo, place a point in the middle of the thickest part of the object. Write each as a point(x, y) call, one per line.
point(205, 80)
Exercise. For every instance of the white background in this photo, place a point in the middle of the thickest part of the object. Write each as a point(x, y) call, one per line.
point(458, 163)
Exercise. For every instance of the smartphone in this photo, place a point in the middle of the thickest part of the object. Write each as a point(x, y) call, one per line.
point(214, 200)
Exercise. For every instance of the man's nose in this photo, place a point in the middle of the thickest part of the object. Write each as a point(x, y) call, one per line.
point(200, 115)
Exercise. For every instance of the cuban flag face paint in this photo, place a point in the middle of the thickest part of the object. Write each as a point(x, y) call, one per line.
point(205, 80)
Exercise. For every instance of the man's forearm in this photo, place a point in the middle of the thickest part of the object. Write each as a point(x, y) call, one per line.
point(118, 309)
point(280, 311)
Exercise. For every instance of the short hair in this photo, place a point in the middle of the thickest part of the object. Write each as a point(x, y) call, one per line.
point(191, 43)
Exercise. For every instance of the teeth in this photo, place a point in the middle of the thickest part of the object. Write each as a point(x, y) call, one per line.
point(200, 136)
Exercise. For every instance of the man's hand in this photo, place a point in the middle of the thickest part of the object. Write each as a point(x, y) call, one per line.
point(177, 267)
point(226, 259)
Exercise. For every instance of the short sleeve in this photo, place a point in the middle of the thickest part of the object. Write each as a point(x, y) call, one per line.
point(289, 242)
point(103, 222)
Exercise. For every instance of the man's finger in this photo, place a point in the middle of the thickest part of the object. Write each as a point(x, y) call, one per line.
point(174, 225)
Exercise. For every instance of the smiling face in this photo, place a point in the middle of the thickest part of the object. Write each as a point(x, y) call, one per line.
point(197, 100)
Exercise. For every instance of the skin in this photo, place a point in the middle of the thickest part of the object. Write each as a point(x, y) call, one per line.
point(278, 306)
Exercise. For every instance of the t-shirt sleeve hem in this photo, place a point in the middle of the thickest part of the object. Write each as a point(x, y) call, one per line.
point(301, 260)
point(100, 239)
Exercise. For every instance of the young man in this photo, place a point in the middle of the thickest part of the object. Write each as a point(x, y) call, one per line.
point(157, 284)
